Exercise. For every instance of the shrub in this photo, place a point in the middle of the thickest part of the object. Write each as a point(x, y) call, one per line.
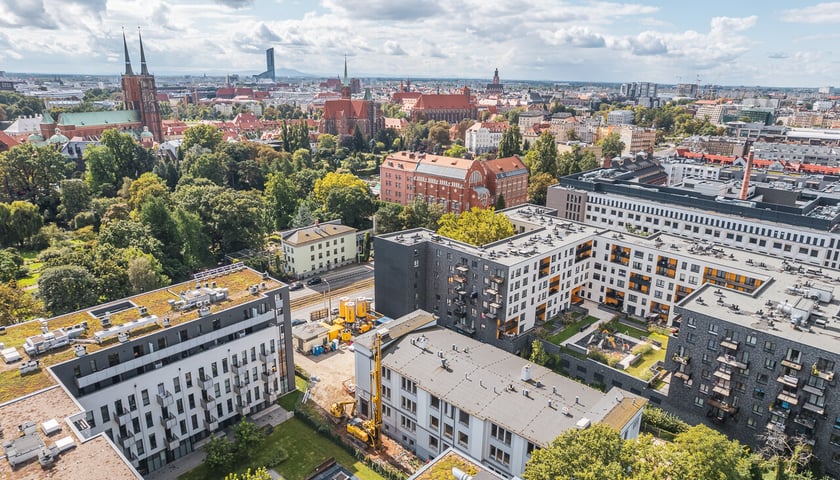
point(641, 349)
point(656, 417)
point(280, 456)
point(599, 356)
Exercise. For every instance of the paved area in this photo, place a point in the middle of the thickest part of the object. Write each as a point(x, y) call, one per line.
point(332, 370)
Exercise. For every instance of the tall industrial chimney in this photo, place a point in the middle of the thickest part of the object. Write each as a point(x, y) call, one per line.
point(745, 183)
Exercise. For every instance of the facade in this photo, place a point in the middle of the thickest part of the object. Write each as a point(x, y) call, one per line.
point(457, 184)
point(529, 119)
point(441, 390)
point(450, 108)
point(484, 137)
point(269, 72)
point(806, 234)
point(621, 117)
point(495, 88)
point(318, 248)
point(160, 371)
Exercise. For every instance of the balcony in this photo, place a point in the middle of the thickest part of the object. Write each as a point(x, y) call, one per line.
point(779, 412)
point(205, 383)
point(462, 268)
point(723, 406)
point(265, 357)
point(826, 375)
point(172, 441)
point(789, 397)
point(722, 374)
point(723, 389)
point(731, 361)
point(459, 279)
point(165, 399)
point(244, 410)
point(126, 440)
point(805, 420)
point(813, 408)
point(729, 343)
point(238, 388)
point(814, 390)
point(491, 291)
point(681, 360)
point(788, 380)
point(497, 279)
point(168, 421)
point(268, 375)
point(212, 424)
point(209, 402)
point(123, 418)
point(239, 368)
point(794, 364)
point(685, 377)
point(496, 305)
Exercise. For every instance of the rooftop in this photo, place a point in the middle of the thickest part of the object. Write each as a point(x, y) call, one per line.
point(315, 232)
point(235, 278)
point(488, 383)
point(87, 461)
point(441, 467)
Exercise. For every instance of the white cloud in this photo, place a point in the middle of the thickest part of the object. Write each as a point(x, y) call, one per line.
point(819, 13)
point(393, 48)
point(576, 36)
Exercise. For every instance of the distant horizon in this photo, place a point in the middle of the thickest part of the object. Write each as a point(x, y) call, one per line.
point(775, 44)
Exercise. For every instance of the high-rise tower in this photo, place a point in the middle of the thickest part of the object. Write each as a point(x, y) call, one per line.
point(140, 93)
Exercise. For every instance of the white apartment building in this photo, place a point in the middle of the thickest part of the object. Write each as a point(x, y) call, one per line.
point(318, 248)
point(621, 117)
point(441, 389)
point(484, 137)
point(218, 351)
point(679, 171)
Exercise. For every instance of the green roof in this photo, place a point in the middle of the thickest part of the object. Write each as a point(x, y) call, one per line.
point(99, 118)
point(47, 118)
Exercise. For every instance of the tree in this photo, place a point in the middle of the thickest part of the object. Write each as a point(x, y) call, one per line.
point(219, 452)
point(500, 202)
point(439, 133)
point(280, 201)
point(350, 206)
point(326, 145)
point(546, 147)
point(100, 169)
point(538, 354)
point(303, 216)
point(538, 187)
point(75, 197)
point(205, 136)
point(193, 239)
point(67, 288)
point(388, 218)
point(456, 151)
point(258, 474)
point(366, 247)
point(419, 214)
point(701, 453)
point(130, 234)
point(304, 181)
point(29, 173)
point(476, 226)
point(144, 188)
point(591, 454)
point(10, 265)
point(145, 273)
point(18, 305)
point(212, 166)
point(511, 142)
point(130, 159)
point(156, 214)
point(611, 145)
point(334, 181)
point(22, 221)
point(247, 437)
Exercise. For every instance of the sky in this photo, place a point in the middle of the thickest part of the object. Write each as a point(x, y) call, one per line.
point(734, 42)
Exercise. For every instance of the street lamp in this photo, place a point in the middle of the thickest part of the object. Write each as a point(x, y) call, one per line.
point(328, 297)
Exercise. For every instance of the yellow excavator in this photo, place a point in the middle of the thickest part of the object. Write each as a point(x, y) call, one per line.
point(369, 431)
point(339, 409)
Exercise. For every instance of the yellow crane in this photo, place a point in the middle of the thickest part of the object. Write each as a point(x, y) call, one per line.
point(370, 431)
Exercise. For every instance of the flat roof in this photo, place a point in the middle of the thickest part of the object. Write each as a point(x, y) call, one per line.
point(315, 233)
point(487, 383)
point(442, 465)
point(89, 460)
point(14, 385)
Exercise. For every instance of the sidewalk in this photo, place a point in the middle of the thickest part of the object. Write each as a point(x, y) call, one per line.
point(273, 415)
point(596, 312)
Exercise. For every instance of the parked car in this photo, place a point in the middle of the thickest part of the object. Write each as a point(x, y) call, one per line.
point(298, 321)
point(314, 281)
point(295, 286)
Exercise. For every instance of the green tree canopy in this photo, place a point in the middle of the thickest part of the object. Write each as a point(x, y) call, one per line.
point(30, 173)
point(75, 197)
point(511, 142)
point(18, 305)
point(611, 145)
point(280, 201)
point(146, 187)
point(67, 288)
point(538, 187)
point(476, 226)
point(203, 135)
point(350, 206)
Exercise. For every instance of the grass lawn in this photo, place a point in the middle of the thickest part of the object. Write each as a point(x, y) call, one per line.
point(12, 385)
point(633, 332)
point(651, 357)
point(565, 334)
point(306, 451)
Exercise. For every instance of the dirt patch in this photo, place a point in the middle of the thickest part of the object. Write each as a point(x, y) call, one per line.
point(332, 370)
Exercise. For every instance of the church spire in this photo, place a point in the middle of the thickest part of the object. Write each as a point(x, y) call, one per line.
point(143, 69)
point(345, 81)
point(127, 60)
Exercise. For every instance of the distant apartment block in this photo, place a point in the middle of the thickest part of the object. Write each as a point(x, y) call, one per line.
point(318, 248)
point(621, 117)
point(484, 137)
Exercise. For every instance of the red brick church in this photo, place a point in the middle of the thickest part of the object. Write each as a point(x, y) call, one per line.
point(343, 115)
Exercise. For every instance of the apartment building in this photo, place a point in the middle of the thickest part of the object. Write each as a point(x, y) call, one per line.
point(160, 371)
point(621, 117)
point(443, 390)
point(791, 227)
point(318, 248)
point(484, 137)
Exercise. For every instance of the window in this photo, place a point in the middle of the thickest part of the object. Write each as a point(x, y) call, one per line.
point(463, 439)
point(406, 423)
point(434, 422)
point(435, 402)
point(751, 423)
point(758, 409)
point(691, 322)
point(106, 415)
point(150, 421)
point(408, 404)
point(499, 455)
point(408, 385)
point(770, 364)
point(433, 443)
point(500, 434)
point(713, 328)
point(152, 441)
point(758, 393)
point(448, 430)
point(769, 347)
point(144, 396)
point(698, 401)
point(751, 340)
point(463, 417)
point(132, 403)
point(762, 378)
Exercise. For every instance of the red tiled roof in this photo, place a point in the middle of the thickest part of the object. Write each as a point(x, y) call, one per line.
point(761, 163)
point(8, 141)
point(495, 127)
point(347, 108)
point(400, 96)
point(162, 97)
point(443, 102)
point(247, 121)
point(506, 164)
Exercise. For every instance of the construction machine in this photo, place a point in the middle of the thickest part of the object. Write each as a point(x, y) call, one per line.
point(339, 409)
point(370, 431)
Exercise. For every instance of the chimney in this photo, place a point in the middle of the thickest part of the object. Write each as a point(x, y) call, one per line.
point(745, 183)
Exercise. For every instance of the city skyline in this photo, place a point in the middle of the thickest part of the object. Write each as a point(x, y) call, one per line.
point(731, 44)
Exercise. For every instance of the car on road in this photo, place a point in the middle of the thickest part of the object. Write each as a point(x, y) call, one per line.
point(295, 286)
point(314, 281)
point(334, 311)
point(298, 321)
